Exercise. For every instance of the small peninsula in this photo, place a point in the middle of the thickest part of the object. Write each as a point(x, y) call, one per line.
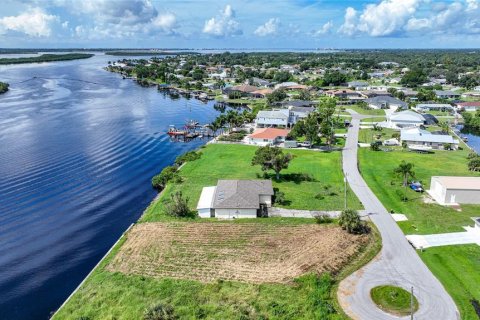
point(46, 58)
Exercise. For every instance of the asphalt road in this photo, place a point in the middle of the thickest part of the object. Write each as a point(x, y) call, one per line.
point(397, 264)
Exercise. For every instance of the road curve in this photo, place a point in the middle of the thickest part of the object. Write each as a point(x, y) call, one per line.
point(397, 264)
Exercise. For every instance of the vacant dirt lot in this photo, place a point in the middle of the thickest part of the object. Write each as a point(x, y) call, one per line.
point(249, 252)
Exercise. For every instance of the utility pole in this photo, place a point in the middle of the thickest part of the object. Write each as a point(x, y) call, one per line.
point(411, 304)
point(345, 189)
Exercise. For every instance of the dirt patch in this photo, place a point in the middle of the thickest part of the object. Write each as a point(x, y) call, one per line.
point(248, 252)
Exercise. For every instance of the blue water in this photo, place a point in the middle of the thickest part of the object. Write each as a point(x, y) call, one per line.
point(76, 160)
point(473, 140)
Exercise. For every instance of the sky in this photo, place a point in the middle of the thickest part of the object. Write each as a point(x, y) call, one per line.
point(202, 24)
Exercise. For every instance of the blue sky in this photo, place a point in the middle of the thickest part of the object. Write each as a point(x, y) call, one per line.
point(240, 23)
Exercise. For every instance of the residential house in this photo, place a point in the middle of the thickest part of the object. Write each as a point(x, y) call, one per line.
point(231, 199)
point(446, 94)
point(357, 85)
point(386, 102)
point(261, 93)
point(454, 190)
point(267, 136)
point(243, 89)
point(471, 94)
point(343, 94)
point(425, 107)
point(376, 93)
point(416, 138)
point(469, 106)
point(261, 83)
point(272, 118)
point(405, 119)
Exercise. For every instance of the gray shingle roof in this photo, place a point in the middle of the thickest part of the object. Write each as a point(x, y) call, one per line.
point(382, 100)
point(240, 194)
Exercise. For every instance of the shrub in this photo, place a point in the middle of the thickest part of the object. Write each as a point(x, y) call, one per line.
point(234, 136)
point(350, 221)
point(188, 157)
point(323, 218)
point(178, 206)
point(278, 197)
point(375, 146)
point(160, 312)
point(160, 180)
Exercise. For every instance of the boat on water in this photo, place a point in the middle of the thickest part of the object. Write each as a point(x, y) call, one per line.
point(191, 124)
point(173, 131)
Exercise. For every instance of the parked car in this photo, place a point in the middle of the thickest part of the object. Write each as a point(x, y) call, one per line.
point(416, 186)
point(305, 144)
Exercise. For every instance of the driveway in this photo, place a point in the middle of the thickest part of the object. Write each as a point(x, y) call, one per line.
point(397, 264)
point(470, 236)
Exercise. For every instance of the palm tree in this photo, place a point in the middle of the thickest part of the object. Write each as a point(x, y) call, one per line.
point(405, 170)
point(445, 127)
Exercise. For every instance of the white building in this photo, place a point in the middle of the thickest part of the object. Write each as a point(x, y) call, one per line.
point(267, 136)
point(416, 138)
point(386, 102)
point(405, 119)
point(236, 199)
point(425, 107)
point(455, 190)
point(273, 118)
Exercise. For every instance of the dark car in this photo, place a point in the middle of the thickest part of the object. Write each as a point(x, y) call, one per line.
point(416, 186)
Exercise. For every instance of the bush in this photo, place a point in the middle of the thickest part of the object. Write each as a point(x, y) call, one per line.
point(160, 180)
point(350, 221)
point(278, 197)
point(160, 312)
point(375, 146)
point(323, 218)
point(187, 157)
point(234, 136)
point(178, 206)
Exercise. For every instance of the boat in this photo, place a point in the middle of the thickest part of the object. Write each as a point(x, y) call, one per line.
point(465, 139)
point(173, 131)
point(191, 124)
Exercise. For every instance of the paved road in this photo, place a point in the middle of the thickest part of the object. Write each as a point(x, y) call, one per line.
point(397, 264)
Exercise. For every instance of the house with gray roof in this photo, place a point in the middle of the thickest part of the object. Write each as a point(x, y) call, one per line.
point(446, 94)
point(416, 138)
point(236, 199)
point(386, 102)
point(272, 118)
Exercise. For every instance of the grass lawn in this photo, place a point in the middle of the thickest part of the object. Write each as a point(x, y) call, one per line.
point(117, 295)
point(373, 112)
point(370, 135)
point(374, 119)
point(457, 267)
point(231, 161)
point(393, 300)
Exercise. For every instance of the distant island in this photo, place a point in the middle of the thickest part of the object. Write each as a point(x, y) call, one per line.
point(147, 53)
point(46, 58)
point(3, 87)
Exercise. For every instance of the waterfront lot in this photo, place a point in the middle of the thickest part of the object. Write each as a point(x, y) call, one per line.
point(310, 173)
point(247, 252)
point(457, 267)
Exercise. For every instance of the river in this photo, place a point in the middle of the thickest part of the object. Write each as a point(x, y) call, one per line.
point(76, 159)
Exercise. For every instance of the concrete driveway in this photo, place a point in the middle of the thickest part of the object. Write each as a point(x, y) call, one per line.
point(470, 236)
point(397, 264)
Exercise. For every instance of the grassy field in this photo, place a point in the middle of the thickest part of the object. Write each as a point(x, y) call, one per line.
point(457, 267)
point(373, 112)
point(374, 119)
point(370, 135)
point(231, 161)
point(118, 295)
point(393, 300)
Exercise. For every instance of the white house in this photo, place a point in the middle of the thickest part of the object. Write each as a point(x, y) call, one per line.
point(405, 119)
point(267, 136)
point(273, 118)
point(236, 199)
point(425, 107)
point(471, 106)
point(416, 138)
point(477, 223)
point(386, 102)
point(455, 190)
point(441, 94)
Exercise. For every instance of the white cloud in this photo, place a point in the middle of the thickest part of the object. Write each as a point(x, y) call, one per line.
point(349, 25)
point(34, 22)
point(223, 24)
point(268, 28)
point(326, 28)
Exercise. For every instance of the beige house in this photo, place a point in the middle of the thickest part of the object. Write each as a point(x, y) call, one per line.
point(455, 190)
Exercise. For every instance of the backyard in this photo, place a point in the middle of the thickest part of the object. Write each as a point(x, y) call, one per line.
point(457, 267)
point(313, 180)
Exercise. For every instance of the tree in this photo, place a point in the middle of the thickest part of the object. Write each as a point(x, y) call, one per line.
point(326, 110)
point(276, 96)
point(350, 221)
point(445, 127)
point(160, 180)
point(282, 76)
point(405, 171)
point(311, 128)
point(414, 78)
point(160, 312)
point(3, 87)
point(271, 158)
point(304, 95)
point(334, 78)
point(178, 206)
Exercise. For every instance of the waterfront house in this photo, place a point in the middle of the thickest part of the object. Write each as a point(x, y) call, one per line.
point(357, 85)
point(454, 190)
point(243, 89)
point(386, 102)
point(446, 94)
point(425, 107)
point(236, 199)
point(272, 118)
point(261, 83)
point(267, 136)
point(261, 93)
point(416, 138)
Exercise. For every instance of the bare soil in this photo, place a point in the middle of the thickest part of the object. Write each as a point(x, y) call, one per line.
point(247, 252)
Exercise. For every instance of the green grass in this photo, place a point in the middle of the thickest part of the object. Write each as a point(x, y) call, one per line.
point(221, 161)
point(457, 267)
point(373, 112)
point(393, 300)
point(370, 135)
point(374, 119)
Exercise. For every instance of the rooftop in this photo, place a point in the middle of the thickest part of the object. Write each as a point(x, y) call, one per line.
point(269, 133)
point(463, 183)
point(245, 194)
point(282, 114)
